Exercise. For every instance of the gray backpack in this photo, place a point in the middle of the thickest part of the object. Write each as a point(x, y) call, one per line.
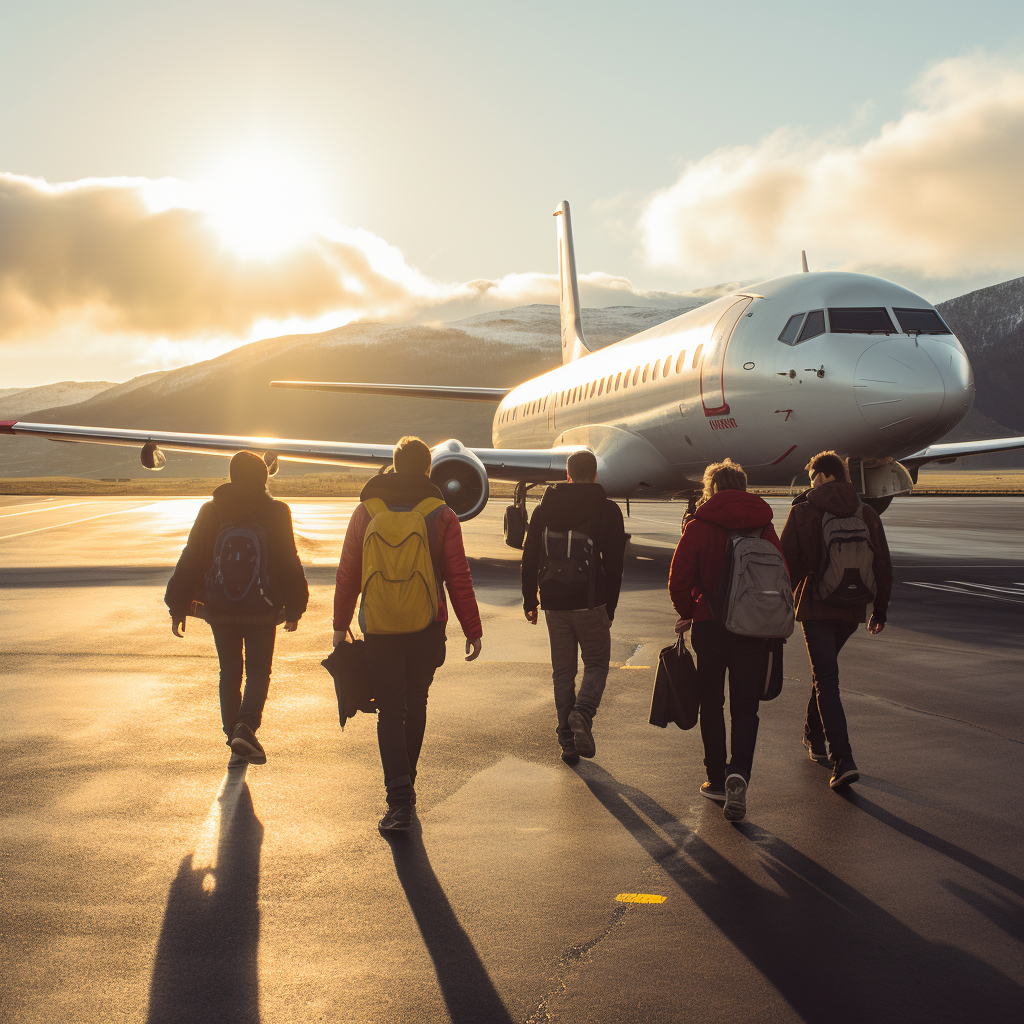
point(754, 596)
point(847, 575)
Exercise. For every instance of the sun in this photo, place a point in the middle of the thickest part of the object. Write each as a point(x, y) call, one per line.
point(261, 203)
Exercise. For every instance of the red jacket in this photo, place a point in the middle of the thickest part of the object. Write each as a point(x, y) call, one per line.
point(451, 567)
point(697, 563)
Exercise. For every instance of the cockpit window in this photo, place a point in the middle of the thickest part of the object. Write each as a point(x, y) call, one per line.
point(813, 325)
point(921, 321)
point(860, 320)
point(792, 328)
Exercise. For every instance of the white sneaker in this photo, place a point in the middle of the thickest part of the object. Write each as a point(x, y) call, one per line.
point(735, 798)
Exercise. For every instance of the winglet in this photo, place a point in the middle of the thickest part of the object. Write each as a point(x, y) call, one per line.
point(7, 426)
point(574, 344)
point(803, 260)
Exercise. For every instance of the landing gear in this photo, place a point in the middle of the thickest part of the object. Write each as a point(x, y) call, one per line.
point(515, 518)
point(879, 504)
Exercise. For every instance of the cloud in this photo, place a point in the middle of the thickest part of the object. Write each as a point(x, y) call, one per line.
point(936, 194)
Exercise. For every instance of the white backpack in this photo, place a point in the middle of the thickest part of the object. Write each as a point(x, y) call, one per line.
point(754, 596)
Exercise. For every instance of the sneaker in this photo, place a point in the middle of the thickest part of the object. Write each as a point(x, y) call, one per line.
point(735, 798)
point(716, 793)
point(398, 819)
point(237, 761)
point(570, 755)
point(244, 743)
point(816, 751)
point(844, 772)
point(582, 737)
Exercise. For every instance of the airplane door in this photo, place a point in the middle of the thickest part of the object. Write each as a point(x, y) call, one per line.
point(712, 366)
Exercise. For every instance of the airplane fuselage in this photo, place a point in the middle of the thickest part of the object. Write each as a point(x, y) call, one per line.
point(717, 381)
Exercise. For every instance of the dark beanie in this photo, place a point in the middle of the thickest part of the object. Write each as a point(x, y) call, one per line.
point(248, 470)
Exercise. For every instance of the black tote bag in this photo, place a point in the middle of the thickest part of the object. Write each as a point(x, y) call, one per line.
point(675, 697)
point(347, 665)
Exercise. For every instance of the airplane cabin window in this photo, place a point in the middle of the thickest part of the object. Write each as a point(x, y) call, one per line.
point(647, 369)
point(696, 357)
point(617, 379)
point(657, 366)
point(636, 375)
point(860, 320)
point(813, 325)
point(921, 321)
point(668, 366)
point(792, 329)
point(680, 361)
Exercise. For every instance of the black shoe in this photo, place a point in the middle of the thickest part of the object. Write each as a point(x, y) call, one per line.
point(398, 819)
point(816, 750)
point(244, 742)
point(716, 793)
point(237, 761)
point(582, 737)
point(570, 755)
point(844, 772)
point(735, 798)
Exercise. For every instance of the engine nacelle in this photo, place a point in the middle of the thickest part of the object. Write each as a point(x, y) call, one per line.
point(461, 478)
point(152, 457)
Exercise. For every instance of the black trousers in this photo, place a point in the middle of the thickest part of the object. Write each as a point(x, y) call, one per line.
point(401, 668)
point(251, 647)
point(826, 718)
point(745, 658)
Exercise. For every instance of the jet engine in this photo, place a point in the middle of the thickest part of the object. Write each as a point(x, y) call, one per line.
point(152, 457)
point(461, 478)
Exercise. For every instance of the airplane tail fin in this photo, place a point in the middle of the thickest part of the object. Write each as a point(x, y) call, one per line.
point(574, 344)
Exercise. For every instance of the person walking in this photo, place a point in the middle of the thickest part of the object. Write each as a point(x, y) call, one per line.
point(402, 548)
point(692, 584)
point(839, 561)
point(574, 552)
point(240, 571)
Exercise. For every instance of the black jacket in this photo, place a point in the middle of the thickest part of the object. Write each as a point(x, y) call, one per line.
point(567, 507)
point(234, 503)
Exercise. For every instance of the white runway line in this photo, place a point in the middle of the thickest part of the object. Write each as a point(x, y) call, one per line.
point(1013, 594)
point(75, 522)
point(46, 508)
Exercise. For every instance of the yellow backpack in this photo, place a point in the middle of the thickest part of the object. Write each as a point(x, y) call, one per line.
point(399, 587)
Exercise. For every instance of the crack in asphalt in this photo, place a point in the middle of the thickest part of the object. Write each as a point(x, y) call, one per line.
point(570, 958)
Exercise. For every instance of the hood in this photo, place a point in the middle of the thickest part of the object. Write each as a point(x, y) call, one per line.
point(567, 505)
point(400, 488)
point(233, 498)
point(735, 510)
point(837, 497)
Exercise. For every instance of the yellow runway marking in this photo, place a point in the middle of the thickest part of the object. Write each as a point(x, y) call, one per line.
point(639, 897)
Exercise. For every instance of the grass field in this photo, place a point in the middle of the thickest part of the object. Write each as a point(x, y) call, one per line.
point(348, 485)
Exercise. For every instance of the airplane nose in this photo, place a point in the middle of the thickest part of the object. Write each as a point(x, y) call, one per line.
point(899, 388)
point(957, 379)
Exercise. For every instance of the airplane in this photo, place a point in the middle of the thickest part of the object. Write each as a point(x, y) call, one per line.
point(767, 376)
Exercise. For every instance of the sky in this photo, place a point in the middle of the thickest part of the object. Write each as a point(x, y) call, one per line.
point(176, 180)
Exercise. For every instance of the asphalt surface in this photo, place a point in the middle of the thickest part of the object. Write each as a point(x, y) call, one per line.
point(142, 881)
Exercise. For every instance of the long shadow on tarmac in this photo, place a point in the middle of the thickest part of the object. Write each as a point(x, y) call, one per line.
point(468, 992)
point(206, 960)
point(834, 955)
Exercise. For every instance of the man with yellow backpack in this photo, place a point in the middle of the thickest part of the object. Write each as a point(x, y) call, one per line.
point(402, 548)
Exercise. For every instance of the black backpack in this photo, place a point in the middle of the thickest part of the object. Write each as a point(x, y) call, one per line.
point(238, 583)
point(570, 559)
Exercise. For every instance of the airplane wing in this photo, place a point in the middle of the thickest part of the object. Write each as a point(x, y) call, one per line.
point(958, 449)
point(533, 465)
point(402, 390)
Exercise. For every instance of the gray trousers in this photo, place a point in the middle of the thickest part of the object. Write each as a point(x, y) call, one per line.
point(587, 631)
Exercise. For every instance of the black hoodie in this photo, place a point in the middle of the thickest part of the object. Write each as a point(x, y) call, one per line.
point(569, 506)
point(237, 503)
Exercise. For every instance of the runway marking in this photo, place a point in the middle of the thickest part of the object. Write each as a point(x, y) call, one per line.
point(639, 897)
point(46, 508)
point(1013, 594)
point(75, 522)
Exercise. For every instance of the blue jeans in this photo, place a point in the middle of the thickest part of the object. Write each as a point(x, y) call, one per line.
point(572, 632)
point(825, 716)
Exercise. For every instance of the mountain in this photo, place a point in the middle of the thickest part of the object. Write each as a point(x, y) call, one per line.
point(16, 402)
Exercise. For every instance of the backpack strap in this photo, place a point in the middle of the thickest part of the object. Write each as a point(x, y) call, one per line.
point(375, 506)
point(428, 505)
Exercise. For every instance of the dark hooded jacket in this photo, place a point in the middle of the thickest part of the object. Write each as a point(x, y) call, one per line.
point(570, 506)
point(238, 503)
point(697, 563)
point(802, 545)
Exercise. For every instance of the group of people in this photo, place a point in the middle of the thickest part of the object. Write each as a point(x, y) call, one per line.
point(403, 551)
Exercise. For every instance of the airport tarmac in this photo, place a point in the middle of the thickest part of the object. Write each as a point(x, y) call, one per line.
point(143, 882)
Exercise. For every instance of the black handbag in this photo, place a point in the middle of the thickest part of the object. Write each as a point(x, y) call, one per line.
point(773, 669)
point(675, 697)
point(347, 665)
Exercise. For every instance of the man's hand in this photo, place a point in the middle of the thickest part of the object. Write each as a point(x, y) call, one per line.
point(531, 617)
point(473, 649)
point(290, 627)
point(177, 621)
point(339, 637)
point(682, 625)
point(874, 626)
